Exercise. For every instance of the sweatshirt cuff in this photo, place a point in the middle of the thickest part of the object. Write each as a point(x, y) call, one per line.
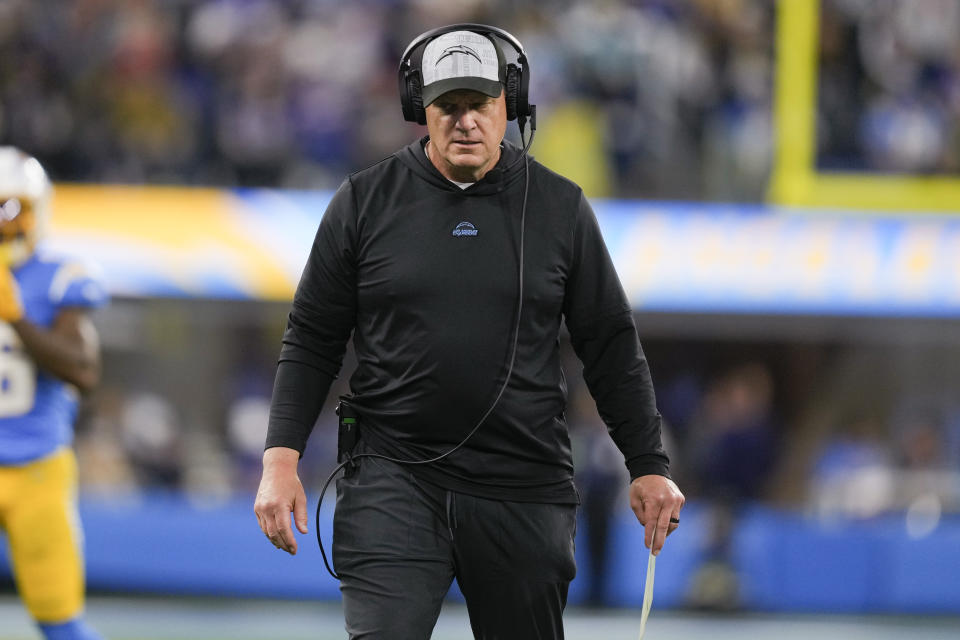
point(298, 394)
point(285, 440)
point(648, 464)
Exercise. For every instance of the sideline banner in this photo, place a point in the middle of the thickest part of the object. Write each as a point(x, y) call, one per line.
point(758, 259)
point(675, 257)
point(189, 242)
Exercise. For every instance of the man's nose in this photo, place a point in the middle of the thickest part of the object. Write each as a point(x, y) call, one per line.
point(466, 119)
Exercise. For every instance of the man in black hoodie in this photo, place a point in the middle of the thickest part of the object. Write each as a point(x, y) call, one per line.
point(453, 262)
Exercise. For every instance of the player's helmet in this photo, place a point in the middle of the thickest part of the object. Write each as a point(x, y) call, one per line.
point(25, 193)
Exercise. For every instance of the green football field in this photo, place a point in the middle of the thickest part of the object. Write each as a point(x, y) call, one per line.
point(149, 618)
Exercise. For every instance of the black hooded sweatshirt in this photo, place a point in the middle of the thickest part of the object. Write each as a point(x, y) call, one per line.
point(425, 274)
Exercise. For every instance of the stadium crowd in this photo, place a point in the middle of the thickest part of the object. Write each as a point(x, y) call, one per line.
point(652, 98)
point(889, 92)
point(296, 93)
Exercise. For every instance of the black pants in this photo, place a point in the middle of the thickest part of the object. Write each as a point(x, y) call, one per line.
point(398, 544)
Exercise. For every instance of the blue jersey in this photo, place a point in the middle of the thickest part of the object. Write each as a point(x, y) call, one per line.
point(37, 410)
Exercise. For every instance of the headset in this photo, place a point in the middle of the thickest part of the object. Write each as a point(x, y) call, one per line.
point(517, 80)
point(517, 83)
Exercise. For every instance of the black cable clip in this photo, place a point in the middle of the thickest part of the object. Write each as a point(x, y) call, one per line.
point(348, 433)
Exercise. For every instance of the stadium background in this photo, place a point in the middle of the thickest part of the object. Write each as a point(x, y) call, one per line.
point(779, 183)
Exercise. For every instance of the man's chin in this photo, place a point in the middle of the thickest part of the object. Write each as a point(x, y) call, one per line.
point(466, 161)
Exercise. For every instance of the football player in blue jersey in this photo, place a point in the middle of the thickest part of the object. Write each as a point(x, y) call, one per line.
point(49, 351)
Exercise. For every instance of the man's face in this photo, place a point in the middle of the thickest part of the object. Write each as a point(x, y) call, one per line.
point(465, 129)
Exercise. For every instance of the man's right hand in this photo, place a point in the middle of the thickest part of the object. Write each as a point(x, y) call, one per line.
point(281, 493)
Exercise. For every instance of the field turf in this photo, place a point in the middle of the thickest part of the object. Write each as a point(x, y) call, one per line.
point(152, 618)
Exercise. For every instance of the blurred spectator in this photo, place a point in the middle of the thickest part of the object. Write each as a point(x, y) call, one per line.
point(246, 432)
point(928, 471)
point(602, 481)
point(153, 440)
point(733, 439)
point(732, 446)
point(854, 473)
point(104, 466)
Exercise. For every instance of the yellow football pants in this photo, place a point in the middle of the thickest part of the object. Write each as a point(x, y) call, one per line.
point(38, 512)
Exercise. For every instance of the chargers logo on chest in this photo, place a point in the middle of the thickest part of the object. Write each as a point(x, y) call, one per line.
point(465, 229)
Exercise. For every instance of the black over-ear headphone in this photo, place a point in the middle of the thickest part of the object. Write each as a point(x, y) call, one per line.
point(517, 78)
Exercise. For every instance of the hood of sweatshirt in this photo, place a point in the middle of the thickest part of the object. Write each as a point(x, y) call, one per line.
point(508, 170)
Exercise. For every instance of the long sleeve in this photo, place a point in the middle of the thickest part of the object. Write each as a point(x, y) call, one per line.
point(298, 394)
point(605, 339)
point(318, 327)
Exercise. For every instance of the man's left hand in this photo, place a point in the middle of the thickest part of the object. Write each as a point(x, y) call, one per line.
point(656, 500)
